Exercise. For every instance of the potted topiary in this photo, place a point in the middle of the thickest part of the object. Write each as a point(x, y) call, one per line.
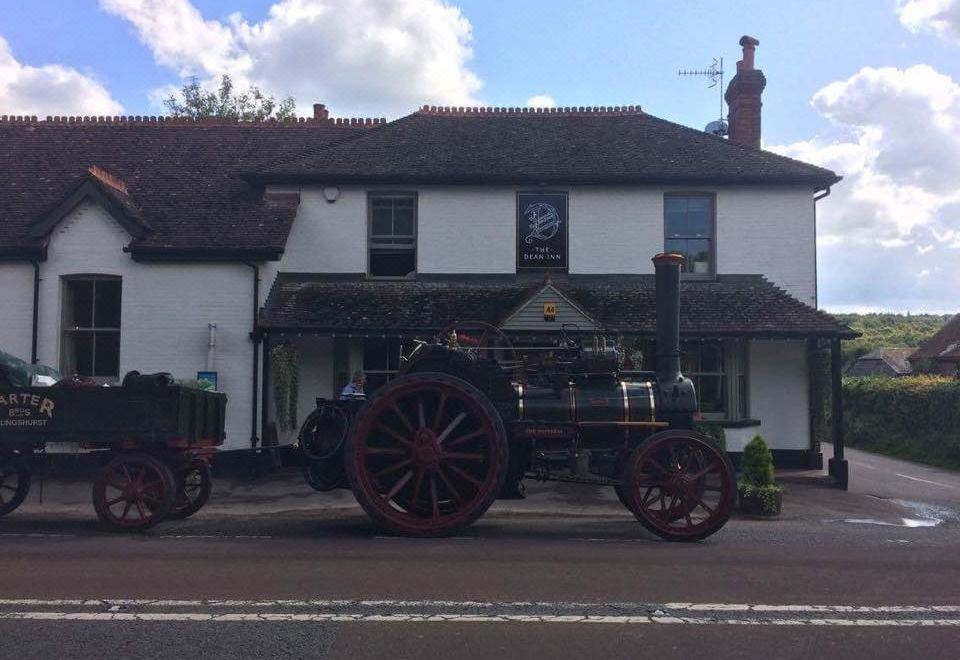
point(759, 494)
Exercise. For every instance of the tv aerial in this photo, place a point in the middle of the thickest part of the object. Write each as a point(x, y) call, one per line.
point(713, 73)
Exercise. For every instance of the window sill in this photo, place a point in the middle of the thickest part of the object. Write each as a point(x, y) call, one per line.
point(733, 423)
point(411, 276)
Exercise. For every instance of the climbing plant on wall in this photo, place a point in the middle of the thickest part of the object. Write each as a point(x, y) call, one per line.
point(285, 367)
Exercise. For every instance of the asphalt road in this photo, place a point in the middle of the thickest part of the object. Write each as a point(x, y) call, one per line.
point(840, 574)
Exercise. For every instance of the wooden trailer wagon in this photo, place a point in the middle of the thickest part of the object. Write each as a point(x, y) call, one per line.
point(429, 452)
point(154, 437)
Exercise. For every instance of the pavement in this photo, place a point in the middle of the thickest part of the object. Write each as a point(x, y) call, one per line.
point(273, 569)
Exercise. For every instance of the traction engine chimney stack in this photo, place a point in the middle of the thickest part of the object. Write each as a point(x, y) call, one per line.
point(676, 392)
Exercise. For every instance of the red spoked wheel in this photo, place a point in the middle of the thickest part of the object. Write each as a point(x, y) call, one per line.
point(680, 485)
point(427, 455)
point(133, 492)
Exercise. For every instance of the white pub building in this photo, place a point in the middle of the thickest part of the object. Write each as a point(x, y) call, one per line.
point(294, 253)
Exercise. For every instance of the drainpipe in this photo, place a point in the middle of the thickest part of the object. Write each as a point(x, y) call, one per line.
point(255, 337)
point(36, 311)
point(816, 288)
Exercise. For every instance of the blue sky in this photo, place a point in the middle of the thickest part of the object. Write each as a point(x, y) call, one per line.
point(890, 238)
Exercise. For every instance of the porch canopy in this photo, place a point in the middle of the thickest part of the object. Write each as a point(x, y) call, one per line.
point(725, 306)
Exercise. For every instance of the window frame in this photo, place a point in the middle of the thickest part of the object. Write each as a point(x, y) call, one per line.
point(712, 197)
point(393, 194)
point(67, 331)
point(388, 374)
point(725, 376)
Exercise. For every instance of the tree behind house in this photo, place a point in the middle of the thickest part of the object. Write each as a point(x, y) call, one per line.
point(251, 105)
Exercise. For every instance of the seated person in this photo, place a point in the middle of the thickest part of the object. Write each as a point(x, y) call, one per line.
point(355, 387)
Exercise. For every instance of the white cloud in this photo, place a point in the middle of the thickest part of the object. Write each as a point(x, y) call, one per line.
point(49, 89)
point(897, 212)
point(541, 101)
point(365, 57)
point(939, 17)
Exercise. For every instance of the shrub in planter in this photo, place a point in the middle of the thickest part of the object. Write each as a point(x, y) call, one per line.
point(758, 493)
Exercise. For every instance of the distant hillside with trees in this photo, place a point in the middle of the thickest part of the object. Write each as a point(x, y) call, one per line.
point(888, 330)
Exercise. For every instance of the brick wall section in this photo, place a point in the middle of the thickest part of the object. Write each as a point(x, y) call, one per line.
point(743, 99)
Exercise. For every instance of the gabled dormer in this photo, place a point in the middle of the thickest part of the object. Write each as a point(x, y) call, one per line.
point(104, 189)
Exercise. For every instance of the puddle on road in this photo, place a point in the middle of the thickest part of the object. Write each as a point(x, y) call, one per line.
point(925, 515)
point(907, 522)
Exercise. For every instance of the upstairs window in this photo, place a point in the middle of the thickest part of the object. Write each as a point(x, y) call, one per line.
point(91, 327)
point(689, 230)
point(392, 247)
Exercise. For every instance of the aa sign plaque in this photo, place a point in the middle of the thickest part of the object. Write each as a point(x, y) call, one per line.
point(542, 231)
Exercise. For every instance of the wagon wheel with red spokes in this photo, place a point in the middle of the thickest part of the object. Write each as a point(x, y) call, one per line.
point(427, 455)
point(14, 482)
point(134, 491)
point(486, 341)
point(680, 485)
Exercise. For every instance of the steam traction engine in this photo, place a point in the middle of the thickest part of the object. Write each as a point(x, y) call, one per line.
point(429, 451)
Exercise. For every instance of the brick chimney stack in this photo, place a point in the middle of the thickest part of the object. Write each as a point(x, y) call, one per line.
point(743, 98)
point(320, 111)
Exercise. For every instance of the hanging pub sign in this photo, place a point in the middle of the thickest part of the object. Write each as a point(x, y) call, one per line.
point(542, 231)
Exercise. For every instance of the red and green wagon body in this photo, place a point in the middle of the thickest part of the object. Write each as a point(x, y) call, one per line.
point(155, 439)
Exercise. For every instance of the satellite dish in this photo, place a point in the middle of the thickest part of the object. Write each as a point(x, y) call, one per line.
point(718, 127)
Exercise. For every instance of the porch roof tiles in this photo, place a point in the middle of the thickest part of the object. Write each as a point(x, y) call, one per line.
point(729, 305)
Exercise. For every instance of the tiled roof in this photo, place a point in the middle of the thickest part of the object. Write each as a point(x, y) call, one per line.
point(730, 305)
point(883, 360)
point(620, 145)
point(944, 344)
point(181, 177)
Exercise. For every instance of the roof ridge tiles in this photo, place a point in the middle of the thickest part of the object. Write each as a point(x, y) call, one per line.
point(161, 120)
point(567, 111)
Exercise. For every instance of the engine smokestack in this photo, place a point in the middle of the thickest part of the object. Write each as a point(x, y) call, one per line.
point(676, 392)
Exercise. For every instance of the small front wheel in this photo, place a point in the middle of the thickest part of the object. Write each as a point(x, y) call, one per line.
point(133, 492)
point(680, 485)
point(14, 482)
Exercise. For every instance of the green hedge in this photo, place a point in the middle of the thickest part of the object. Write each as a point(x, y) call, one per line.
point(914, 417)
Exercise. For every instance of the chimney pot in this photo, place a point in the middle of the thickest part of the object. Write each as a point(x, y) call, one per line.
point(320, 111)
point(749, 48)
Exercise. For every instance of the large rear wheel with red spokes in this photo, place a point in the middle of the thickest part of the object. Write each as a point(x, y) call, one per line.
point(426, 455)
point(680, 485)
point(133, 492)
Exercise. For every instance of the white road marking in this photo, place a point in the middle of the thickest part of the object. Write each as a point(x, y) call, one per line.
point(181, 537)
point(36, 535)
point(453, 618)
point(925, 481)
point(476, 604)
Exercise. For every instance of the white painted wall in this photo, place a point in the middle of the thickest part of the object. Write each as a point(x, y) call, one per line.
point(615, 230)
point(779, 396)
point(765, 230)
point(16, 310)
point(165, 310)
point(771, 232)
point(466, 230)
point(328, 238)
